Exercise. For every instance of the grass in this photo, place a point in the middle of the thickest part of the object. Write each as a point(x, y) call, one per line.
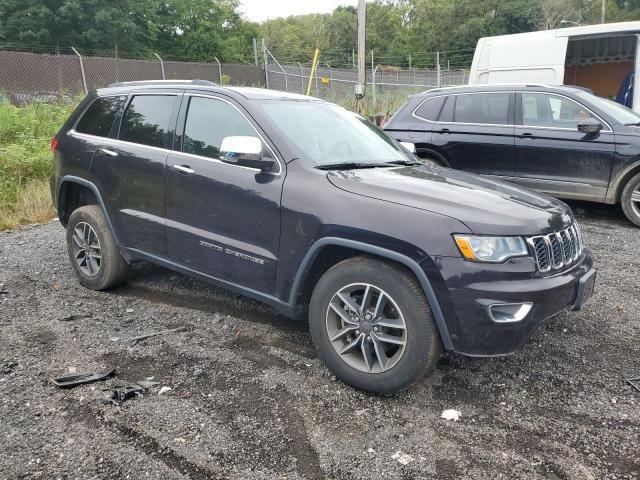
point(26, 161)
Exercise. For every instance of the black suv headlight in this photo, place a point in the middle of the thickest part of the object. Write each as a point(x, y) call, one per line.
point(490, 249)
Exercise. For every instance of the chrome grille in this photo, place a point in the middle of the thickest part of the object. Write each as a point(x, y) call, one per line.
point(558, 249)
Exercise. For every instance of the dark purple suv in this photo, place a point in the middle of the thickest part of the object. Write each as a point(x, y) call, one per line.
point(311, 209)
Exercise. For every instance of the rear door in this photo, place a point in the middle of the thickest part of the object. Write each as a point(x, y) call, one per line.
point(222, 219)
point(131, 169)
point(552, 156)
point(476, 130)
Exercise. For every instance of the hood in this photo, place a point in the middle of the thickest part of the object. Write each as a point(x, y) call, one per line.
point(486, 206)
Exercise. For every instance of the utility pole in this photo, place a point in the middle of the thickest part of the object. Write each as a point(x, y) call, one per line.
point(362, 21)
point(604, 8)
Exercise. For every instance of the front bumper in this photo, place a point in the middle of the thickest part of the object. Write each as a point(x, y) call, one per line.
point(474, 287)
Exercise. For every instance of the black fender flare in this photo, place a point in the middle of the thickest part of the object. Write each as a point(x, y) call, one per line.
point(91, 186)
point(411, 264)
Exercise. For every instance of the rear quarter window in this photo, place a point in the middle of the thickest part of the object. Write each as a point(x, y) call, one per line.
point(430, 108)
point(99, 117)
point(146, 120)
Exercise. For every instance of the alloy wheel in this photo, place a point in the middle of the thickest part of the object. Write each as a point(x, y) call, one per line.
point(635, 201)
point(86, 249)
point(366, 328)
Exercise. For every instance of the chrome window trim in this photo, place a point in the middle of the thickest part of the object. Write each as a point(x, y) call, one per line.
point(610, 130)
point(213, 97)
point(413, 113)
point(117, 141)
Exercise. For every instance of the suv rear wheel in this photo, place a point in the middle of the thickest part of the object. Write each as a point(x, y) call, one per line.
point(372, 325)
point(630, 200)
point(93, 251)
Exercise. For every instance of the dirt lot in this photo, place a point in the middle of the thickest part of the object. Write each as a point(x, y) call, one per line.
point(251, 400)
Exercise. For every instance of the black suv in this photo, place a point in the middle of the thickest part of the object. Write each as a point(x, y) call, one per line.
point(561, 140)
point(313, 210)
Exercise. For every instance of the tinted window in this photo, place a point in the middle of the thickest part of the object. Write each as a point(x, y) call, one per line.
point(447, 112)
point(146, 120)
point(491, 108)
point(430, 108)
point(208, 122)
point(545, 110)
point(99, 117)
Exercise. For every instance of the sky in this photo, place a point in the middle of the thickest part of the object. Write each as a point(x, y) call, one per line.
point(261, 10)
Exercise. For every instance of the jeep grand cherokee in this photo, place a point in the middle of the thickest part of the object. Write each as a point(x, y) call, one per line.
point(311, 209)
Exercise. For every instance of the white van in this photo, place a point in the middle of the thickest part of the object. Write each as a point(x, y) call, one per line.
point(598, 57)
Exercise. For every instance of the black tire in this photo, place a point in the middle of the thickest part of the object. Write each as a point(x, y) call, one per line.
point(422, 349)
point(430, 160)
point(630, 207)
point(113, 268)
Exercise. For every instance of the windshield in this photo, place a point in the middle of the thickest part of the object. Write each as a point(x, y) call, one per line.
point(619, 112)
point(327, 134)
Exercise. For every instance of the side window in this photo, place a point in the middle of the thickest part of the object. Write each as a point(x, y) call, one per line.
point(146, 120)
point(447, 111)
point(208, 122)
point(99, 117)
point(430, 108)
point(545, 110)
point(487, 108)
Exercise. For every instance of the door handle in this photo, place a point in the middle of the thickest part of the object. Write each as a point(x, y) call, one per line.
point(182, 169)
point(526, 135)
point(106, 151)
point(445, 130)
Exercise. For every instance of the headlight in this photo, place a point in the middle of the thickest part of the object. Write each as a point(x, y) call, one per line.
point(490, 249)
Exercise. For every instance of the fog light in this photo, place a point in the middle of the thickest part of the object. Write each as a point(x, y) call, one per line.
point(509, 312)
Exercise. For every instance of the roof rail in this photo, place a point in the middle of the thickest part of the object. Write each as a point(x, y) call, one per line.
point(163, 82)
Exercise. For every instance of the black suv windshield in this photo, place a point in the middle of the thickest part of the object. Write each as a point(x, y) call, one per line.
point(619, 112)
point(329, 135)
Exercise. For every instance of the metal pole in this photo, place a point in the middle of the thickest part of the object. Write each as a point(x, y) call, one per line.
point(266, 71)
point(161, 65)
point(314, 64)
point(604, 8)
point(84, 77)
point(255, 51)
point(219, 70)
point(438, 69)
point(362, 75)
point(330, 79)
point(373, 88)
point(301, 78)
point(284, 72)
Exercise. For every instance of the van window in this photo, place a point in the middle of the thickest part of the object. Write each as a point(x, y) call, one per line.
point(430, 108)
point(146, 120)
point(486, 108)
point(208, 122)
point(547, 110)
point(98, 118)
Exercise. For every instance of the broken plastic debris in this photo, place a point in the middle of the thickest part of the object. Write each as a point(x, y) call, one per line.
point(164, 390)
point(69, 381)
point(402, 458)
point(122, 394)
point(451, 414)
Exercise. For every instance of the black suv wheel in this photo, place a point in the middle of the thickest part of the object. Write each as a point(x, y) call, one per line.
point(372, 325)
point(630, 200)
point(92, 250)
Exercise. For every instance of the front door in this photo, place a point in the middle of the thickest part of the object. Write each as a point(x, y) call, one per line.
point(553, 156)
point(475, 130)
point(222, 220)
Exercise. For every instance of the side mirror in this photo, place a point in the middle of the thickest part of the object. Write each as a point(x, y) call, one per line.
point(590, 126)
point(245, 152)
point(409, 146)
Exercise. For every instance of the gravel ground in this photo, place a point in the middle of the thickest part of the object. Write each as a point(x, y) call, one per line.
point(250, 399)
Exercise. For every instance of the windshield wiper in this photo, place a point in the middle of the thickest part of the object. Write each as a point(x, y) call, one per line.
point(409, 163)
point(353, 165)
point(636, 124)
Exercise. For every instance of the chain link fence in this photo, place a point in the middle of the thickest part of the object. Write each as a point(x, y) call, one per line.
point(387, 86)
point(35, 76)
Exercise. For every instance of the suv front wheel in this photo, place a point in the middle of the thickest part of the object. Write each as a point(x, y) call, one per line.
point(630, 200)
point(372, 325)
point(92, 250)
